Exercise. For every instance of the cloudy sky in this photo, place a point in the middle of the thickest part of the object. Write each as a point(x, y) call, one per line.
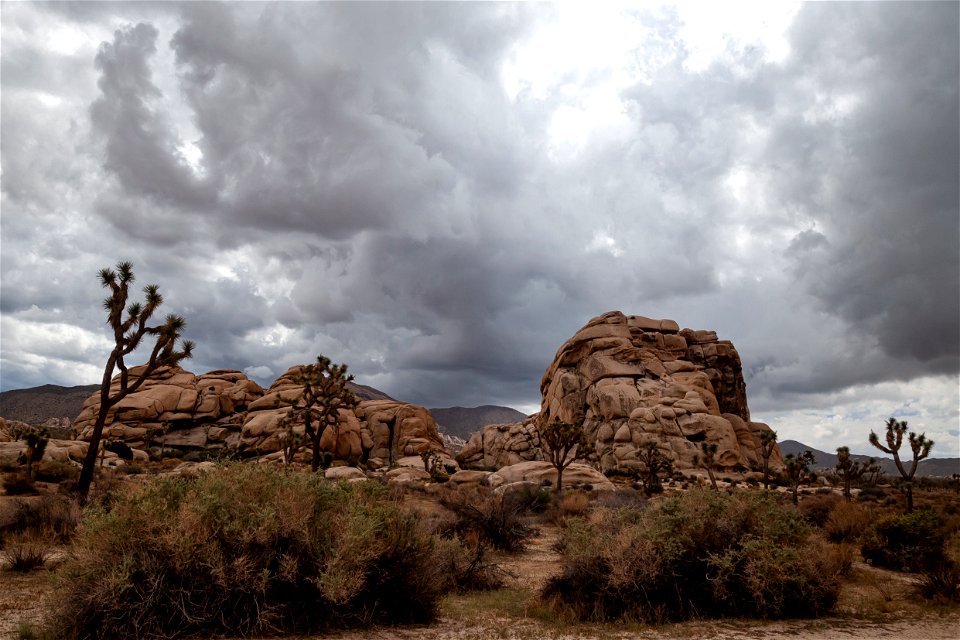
point(440, 194)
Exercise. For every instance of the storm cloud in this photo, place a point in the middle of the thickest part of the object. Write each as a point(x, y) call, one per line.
point(440, 194)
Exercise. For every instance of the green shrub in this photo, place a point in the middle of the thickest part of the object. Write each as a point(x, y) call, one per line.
point(703, 553)
point(910, 542)
point(246, 549)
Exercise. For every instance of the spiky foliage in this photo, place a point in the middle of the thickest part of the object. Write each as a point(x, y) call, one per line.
point(849, 470)
point(919, 445)
point(653, 462)
point(768, 442)
point(128, 332)
point(325, 393)
point(36, 440)
point(706, 460)
point(564, 443)
point(798, 471)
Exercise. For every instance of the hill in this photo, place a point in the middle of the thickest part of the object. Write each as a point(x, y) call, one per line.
point(464, 421)
point(942, 467)
point(36, 405)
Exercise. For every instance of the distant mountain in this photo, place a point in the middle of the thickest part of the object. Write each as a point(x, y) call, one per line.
point(929, 467)
point(38, 404)
point(463, 421)
point(365, 392)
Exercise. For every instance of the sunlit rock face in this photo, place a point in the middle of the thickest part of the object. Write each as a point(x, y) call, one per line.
point(177, 409)
point(226, 410)
point(634, 380)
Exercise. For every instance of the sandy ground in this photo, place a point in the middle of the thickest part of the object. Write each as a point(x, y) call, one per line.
point(875, 604)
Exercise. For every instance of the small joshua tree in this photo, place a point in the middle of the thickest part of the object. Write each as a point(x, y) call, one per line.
point(564, 443)
point(653, 463)
point(768, 441)
point(290, 440)
point(127, 335)
point(37, 440)
point(707, 461)
point(919, 445)
point(798, 471)
point(325, 393)
point(849, 470)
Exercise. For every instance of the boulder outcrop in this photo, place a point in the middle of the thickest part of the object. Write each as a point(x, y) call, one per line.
point(176, 408)
point(501, 445)
point(633, 380)
point(226, 410)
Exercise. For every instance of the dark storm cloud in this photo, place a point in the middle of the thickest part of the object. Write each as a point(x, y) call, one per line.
point(356, 179)
point(884, 185)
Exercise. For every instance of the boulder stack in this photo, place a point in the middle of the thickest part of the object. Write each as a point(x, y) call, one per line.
point(633, 380)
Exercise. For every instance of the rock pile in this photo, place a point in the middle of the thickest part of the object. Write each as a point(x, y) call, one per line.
point(176, 408)
point(632, 381)
point(225, 410)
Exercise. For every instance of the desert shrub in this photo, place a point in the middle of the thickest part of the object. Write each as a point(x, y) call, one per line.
point(847, 522)
point(872, 494)
point(493, 519)
point(816, 508)
point(241, 550)
point(468, 567)
point(620, 500)
point(27, 550)
point(19, 484)
point(910, 542)
point(703, 553)
point(55, 471)
point(940, 582)
point(532, 499)
point(55, 515)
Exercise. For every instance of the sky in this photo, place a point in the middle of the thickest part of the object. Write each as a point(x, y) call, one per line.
point(439, 195)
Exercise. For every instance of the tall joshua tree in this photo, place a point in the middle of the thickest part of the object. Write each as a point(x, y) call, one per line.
point(919, 445)
point(768, 440)
point(564, 443)
point(128, 332)
point(325, 392)
point(798, 471)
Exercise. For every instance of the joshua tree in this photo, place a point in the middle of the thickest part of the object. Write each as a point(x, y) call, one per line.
point(325, 392)
point(919, 445)
point(290, 441)
point(37, 440)
point(798, 471)
point(653, 463)
point(564, 443)
point(127, 334)
point(850, 470)
point(707, 461)
point(768, 441)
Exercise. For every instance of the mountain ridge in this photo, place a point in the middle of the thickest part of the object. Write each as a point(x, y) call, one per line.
point(929, 467)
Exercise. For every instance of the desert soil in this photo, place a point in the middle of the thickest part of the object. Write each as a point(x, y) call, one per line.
point(874, 604)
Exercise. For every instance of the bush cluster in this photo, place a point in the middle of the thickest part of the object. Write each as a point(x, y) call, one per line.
point(246, 549)
point(494, 520)
point(703, 553)
point(910, 542)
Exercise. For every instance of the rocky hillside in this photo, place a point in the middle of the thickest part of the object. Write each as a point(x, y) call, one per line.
point(463, 422)
point(38, 405)
point(634, 381)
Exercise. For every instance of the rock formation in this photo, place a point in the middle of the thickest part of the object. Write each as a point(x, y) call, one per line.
point(630, 381)
point(500, 445)
point(177, 408)
point(226, 410)
point(633, 380)
point(377, 431)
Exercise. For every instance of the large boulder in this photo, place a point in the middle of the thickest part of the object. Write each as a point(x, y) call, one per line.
point(634, 380)
point(537, 471)
point(176, 408)
point(501, 445)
